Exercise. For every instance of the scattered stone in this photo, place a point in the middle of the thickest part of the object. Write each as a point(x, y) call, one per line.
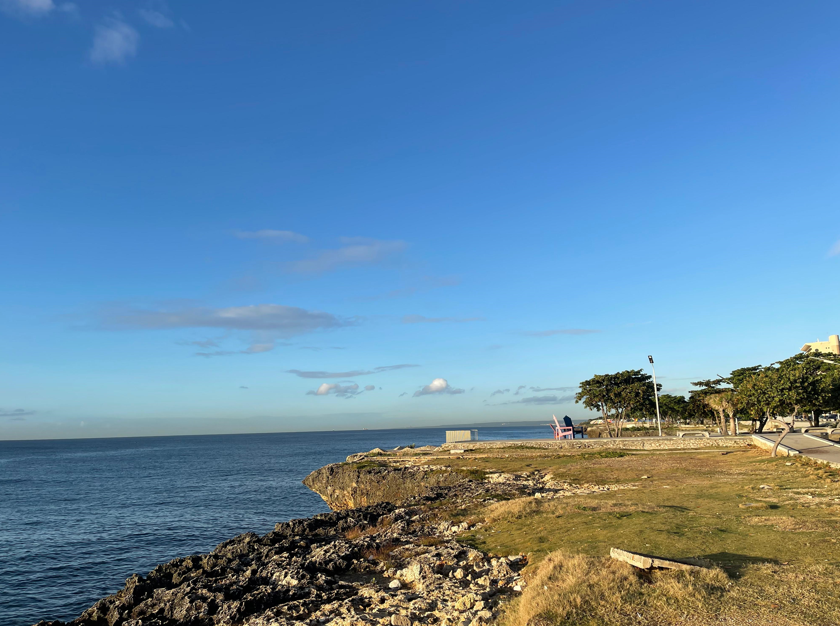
point(395, 584)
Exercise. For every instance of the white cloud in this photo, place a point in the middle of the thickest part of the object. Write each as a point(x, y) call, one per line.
point(419, 319)
point(835, 250)
point(113, 42)
point(340, 391)
point(370, 387)
point(357, 251)
point(27, 8)
point(156, 18)
point(276, 236)
point(351, 373)
point(561, 331)
point(283, 320)
point(438, 385)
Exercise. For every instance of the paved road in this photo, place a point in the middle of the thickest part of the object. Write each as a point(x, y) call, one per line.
point(818, 449)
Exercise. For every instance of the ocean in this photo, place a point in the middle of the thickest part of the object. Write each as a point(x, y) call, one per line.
point(78, 517)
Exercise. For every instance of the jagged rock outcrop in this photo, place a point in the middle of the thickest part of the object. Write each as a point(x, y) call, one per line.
point(389, 562)
point(375, 565)
point(350, 485)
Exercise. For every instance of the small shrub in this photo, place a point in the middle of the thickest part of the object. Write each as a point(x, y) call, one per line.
point(472, 473)
point(359, 531)
point(362, 465)
point(381, 553)
point(430, 541)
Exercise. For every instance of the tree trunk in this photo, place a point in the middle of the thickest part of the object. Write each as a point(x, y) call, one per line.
point(722, 423)
point(733, 428)
point(785, 431)
point(607, 422)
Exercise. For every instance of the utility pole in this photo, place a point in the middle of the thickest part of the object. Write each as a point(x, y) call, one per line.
point(656, 396)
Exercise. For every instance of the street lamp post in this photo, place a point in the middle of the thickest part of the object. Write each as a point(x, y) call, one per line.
point(656, 396)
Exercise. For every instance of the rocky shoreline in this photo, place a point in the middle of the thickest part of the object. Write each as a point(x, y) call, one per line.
point(388, 554)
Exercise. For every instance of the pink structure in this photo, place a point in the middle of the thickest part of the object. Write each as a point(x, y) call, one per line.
point(562, 432)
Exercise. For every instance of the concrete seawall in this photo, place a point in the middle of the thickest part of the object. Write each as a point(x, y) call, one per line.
point(628, 443)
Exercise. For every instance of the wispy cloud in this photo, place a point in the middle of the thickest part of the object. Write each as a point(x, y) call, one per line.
point(284, 320)
point(114, 42)
point(156, 18)
point(318, 348)
point(27, 8)
point(561, 331)
point(541, 389)
point(256, 347)
point(437, 386)
point(404, 393)
point(200, 343)
point(356, 251)
point(351, 373)
point(500, 392)
point(370, 387)
point(335, 389)
point(272, 236)
point(542, 400)
point(15, 414)
point(419, 319)
point(427, 283)
point(519, 389)
point(835, 250)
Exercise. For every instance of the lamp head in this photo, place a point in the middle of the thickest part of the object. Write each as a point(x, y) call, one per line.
point(650, 358)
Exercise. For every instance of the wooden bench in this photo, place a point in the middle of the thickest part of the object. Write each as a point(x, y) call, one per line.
point(695, 433)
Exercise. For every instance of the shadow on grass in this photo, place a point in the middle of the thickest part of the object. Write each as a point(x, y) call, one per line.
point(734, 564)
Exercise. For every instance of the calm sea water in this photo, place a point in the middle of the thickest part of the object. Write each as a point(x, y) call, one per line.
point(77, 517)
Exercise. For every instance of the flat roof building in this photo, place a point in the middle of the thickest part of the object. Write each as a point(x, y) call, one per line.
point(832, 346)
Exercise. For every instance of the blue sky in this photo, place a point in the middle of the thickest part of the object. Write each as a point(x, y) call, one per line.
point(296, 216)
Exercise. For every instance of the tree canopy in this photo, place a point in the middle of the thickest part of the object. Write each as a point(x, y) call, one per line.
point(616, 395)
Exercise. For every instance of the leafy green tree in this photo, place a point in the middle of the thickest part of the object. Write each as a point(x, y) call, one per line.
point(698, 412)
point(673, 408)
point(800, 386)
point(615, 396)
point(758, 397)
point(722, 400)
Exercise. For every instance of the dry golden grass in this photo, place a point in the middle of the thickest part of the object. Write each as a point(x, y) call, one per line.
point(382, 553)
point(771, 525)
point(581, 590)
point(567, 590)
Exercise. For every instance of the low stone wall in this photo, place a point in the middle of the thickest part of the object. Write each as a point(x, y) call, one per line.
point(766, 444)
point(628, 443)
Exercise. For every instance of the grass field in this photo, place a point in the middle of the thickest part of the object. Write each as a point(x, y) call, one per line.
point(770, 526)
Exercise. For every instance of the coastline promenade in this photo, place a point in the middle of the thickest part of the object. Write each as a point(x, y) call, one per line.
point(621, 443)
point(811, 446)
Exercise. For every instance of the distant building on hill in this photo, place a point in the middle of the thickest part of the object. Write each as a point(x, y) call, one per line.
point(831, 346)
